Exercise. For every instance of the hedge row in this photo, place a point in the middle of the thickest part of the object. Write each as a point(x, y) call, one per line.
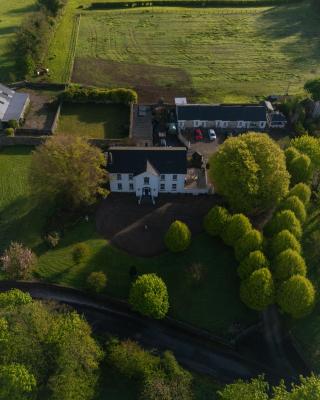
point(191, 3)
point(77, 94)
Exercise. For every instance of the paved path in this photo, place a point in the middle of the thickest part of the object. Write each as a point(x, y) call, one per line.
point(195, 351)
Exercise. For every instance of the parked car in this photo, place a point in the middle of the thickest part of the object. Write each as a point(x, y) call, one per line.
point(198, 134)
point(211, 134)
point(163, 142)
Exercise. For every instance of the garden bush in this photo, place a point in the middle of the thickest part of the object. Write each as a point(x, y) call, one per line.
point(80, 252)
point(96, 281)
point(251, 241)
point(258, 292)
point(149, 296)
point(284, 220)
point(13, 124)
point(236, 228)
point(282, 241)
point(254, 261)
point(291, 153)
point(178, 237)
point(216, 221)
point(300, 169)
point(302, 191)
point(287, 264)
point(296, 296)
point(9, 131)
point(18, 261)
point(52, 239)
point(294, 204)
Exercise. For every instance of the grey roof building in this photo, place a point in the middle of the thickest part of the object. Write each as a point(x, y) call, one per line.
point(12, 104)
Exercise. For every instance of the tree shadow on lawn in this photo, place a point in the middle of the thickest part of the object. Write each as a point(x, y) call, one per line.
point(22, 10)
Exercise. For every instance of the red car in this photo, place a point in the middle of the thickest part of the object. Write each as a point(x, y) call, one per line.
point(198, 134)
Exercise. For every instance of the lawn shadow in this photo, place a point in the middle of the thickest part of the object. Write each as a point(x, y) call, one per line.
point(6, 30)
point(22, 10)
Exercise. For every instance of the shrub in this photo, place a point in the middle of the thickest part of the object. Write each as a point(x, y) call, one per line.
point(149, 296)
point(9, 131)
point(13, 124)
point(96, 281)
point(300, 169)
point(251, 241)
point(80, 251)
point(296, 296)
point(216, 221)
point(18, 261)
point(302, 191)
point(52, 239)
point(287, 264)
point(14, 298)
point(282, 241)
point(294, 204)
point(178, 237)
point(254, 261)
point(236, 228)
point(257, 292)
point(284, 220)
point(290, 154)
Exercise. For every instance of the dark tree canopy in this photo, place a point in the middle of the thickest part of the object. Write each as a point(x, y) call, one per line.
point(313, 87)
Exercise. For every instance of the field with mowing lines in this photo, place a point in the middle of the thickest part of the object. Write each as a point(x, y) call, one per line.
point(208, 55)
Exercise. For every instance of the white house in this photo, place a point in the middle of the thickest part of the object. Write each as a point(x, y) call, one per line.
point(13, 105)
point(222, 116)
point(149, 171)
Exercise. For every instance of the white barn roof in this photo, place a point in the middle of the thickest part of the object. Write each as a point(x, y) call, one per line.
point(12, 104)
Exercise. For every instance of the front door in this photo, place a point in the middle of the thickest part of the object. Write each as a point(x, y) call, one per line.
point(146, 191)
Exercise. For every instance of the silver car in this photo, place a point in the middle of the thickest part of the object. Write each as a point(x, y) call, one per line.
point(211, 134)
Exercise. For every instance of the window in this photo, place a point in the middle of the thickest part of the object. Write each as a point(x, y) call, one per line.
point(162, 186)
point(130, 177)
point(119, 186)
point(119, 177)
point(162, 177)
point(174, 177)
point(131, 186)
point(174, 187)
point(146, 180)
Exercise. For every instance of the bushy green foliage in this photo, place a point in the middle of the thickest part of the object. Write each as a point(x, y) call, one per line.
point(251, 241)
point(258, 291)
point(313, 87)
point(290, 154)
point(12, 123)
point(9, 131)
point(294, 204)
point(300, 169)
point(97, 281)
point(149, 296)
point(80, 252)
point(256, 389)
point(78, 94)
point(254, 261)
point(14, 298)
point(287, 264)
point(310, 146)
point(284, 220)
point(216, 221)
point(178, 237)
point(16, 382)
point(302, 191)
point(236, 228)
point(52, 6)
point(250, 171)
point(282, 241)
point(296, 296)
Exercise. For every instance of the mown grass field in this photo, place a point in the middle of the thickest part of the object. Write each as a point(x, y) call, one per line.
point(207, 54)
point(94, 121)
point(11, 15)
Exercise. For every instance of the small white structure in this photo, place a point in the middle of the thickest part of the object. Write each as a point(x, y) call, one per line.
point(222, 116)
point(149, 171)
point(13, 105)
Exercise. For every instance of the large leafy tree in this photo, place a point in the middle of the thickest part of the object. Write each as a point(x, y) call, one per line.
point(250, 171)
point(310, 146)
point(16, 382)
point(178, 237)
point(69, 167)
point(256, 389)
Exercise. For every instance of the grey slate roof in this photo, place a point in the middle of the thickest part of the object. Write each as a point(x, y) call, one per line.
point(16, 107)
point(155, 160)
point(221, 112)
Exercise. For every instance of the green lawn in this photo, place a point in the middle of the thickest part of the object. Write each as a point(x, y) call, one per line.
point(11, 15)
point(94, 120)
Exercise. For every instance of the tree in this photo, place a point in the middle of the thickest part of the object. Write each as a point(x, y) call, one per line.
point(284, 220)
point(296, 296)
point(16, 382)
point(282, 241)
point(254, 261)
point(14, 298)
point(69, 167)
point(294, 204)
point(80, 252)
point(97, 281)
point(216, 221)
point(302, 191)
point(291, 153)
point(256, 389)
point(257, 292)
point(310, 146)
point(300, 169)
point(236, 228)
point(250, 171)
point(149, 296)
point(251, 241)
point(18, 261)
point(313, 87)
point(53, 6)
point(178, 237)
point(287, 264)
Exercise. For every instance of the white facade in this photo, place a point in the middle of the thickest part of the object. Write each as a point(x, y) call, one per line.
point(222, 124)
